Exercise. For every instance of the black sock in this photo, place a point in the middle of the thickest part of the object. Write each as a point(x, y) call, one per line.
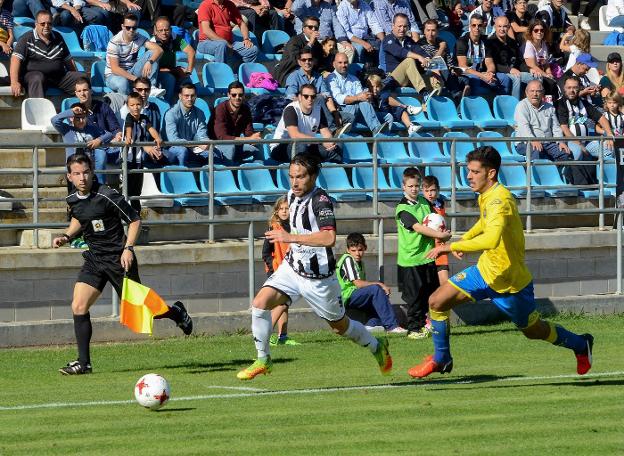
point(83, 330)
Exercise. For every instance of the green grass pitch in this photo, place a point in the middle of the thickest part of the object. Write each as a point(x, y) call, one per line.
point(506, 396)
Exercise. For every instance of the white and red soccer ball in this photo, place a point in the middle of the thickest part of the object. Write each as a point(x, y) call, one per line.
point(152, 391)
point(435, 222)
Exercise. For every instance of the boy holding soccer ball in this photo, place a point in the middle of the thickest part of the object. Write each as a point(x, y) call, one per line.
point(417, 274)
point(431, 192)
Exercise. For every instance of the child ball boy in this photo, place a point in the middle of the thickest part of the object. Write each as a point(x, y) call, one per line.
point(431, 192)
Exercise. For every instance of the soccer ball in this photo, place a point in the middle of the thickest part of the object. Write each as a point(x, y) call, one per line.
point(435, 222)
point(152, 391)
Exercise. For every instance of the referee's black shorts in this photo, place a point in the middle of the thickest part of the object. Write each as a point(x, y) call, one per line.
point(99, 269)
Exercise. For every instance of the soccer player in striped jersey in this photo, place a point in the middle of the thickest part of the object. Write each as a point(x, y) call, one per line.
point(308, 271)
point(500, 274)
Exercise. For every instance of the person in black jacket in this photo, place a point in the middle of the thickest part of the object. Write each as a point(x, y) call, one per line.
point(309, 38)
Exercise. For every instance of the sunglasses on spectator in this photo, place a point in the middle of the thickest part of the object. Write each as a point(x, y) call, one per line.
point(310, 59)
point(142, 89)
point(131, 27)
point(536, 30)
point(308, 96)
point(312, 27)
point(237, 94)
point(476, 25)
point(164, 30)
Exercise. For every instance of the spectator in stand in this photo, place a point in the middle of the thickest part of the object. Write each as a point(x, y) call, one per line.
point(215, 31)
point(574, 114)
point(575, 44)
point(537, 56)
point(284, 9)
point(42, 60)
point(354, 101)
point(388, 108)
point(310, 38)
point(583, 19)
point(502, 56)
point(30, 8)
point(555, 17)
point(330, 27)
point(304, 118)
point(431, 192)
point(537, 119)
point(232, 120)
point(330, 48)
point(424, 10)
point(185, 11)
point(6, 30)
point(519, 19)
point(186, 122)
point(470, 53)
point(81, 130)
point(432, 47)
point(260, 15)
point(307, 75)
point(385, 10)
point(149, 109)
point(123, 65)
point(614, 16)
point(613, 113)
point(588, 90)
point(78, 14)
point(170, 75)
point(613, 80)
point(400, 56)
point(488, 12)
point(456, 15)
point(362, 29)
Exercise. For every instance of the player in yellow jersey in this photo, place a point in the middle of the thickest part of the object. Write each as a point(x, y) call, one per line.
point(500, 274)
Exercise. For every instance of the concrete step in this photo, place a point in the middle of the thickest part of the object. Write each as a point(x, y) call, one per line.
point(22, 158)
point(46, 215)
point(10, 136)
point(59, 193)
point(25, 178)
point(600, 51)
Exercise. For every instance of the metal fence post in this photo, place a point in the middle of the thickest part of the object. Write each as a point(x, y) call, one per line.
point(124, 171)
point(601, 185)
point(529, 170)
point(211, 196)
point(380, 250)
point(35, 184)
point(453, 185)
point(619, 252)
point(375, 185)
point(250, 264)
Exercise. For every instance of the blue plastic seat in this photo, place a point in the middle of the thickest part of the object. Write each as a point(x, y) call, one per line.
point(501, 147)
point(244, 72)
point(271, 39)
point(163, 107)
point(449, 39)
point(443, 110)
point(427, 151)
point(337, 184)
point(505, 107)
point(283, 181)
point(23, 20)
point(202, 105)
point(178, 182)
point(363, 178)
point(545, 174)
point(238, 36)
point(478, 110)
point(67, 102)
point(461, 148)
point(98, 85)
point(260, 183)
point(19, 30)
point(395, 152)
point(144, 33)
point(223, 183)
point(355, 68)
point(355, 152)
point(421, 118)
point(216, 77)
point(513, 175)
point(72, 42)
point(395, 176)
point(443, 173)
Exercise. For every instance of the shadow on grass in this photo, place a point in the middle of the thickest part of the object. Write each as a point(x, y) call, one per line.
point(518, 383)
point(457, 331)
point(200, 368)
point(176, 410)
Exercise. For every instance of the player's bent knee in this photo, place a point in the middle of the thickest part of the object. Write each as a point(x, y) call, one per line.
point(539, 330)
point(340, 326)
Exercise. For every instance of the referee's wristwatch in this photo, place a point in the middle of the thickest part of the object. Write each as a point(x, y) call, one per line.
point(129, 247)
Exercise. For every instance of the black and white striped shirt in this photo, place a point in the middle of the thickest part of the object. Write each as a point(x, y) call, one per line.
point(311, 213)
point(37, 55)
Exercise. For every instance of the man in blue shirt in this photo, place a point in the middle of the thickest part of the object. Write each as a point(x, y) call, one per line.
point(186, 122)
point(362, 28)
point(385, 10)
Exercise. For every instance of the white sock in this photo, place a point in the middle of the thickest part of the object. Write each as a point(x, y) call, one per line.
point(261, 329)
point(358, 334)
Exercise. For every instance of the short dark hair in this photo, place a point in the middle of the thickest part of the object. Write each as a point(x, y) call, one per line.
point(355, 239)
point(42, 13)
point(131, 17)
point(311, 163)
point(477, 17)
point(187, 85)
point(82, 81)
point(307, 86)
point(311, 18)
point(428, 181)
point(235, 85)
point(79, 158)
point(430, 22)
point(305, 50)
point(134, 95)
point(400, 16)
point(573, 77)
point(487, 156)
point(411, 173)
point(79, 105)
point(142, 79)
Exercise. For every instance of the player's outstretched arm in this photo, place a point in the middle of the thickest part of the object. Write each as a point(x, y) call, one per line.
point(323, 238)
point(72, 230)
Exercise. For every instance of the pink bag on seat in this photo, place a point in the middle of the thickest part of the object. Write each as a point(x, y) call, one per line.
point(261, 80)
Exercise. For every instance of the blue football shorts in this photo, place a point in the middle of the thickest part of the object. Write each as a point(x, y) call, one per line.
point(520, 307)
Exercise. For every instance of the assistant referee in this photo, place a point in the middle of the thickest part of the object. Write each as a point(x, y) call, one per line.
point(97, 212)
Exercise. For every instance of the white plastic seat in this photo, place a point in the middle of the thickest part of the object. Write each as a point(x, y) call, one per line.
point(150, 189)
point(602, 21)
point(36, 115)
point(5, 205)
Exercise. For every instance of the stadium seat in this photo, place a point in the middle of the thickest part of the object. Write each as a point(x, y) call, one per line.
point(603, 26)
point(22, 20)
point(98, 85)
point(216, 77)
point(395, 176)
point(609, 176)
point(5, 205)
point(179, 181)
point(244, 72)
point(283, 181)
point(336, 182)
point(355, 68)
point(163, 107)
point(202, 105)
point(427, 151)
point(151, 189)
point(363, 178)
point(443, 173)
point(36, 115)
point(355, 152)
point(449, 39)
point(421, 118)
point(478, 110)
point(545, 174)
point(443, 110)
point(395, 153)
point(461, 148)
point(501, 147)
point(514, 175)
point(259, 182)
point(144, 33)
point(72, 42)
point(67, 102)
point(223, 183)
point(19, 30)
point(238, 36)
point(504, 108)
point(271, 39)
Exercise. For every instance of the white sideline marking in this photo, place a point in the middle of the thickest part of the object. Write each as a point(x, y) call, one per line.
point(260, 392)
